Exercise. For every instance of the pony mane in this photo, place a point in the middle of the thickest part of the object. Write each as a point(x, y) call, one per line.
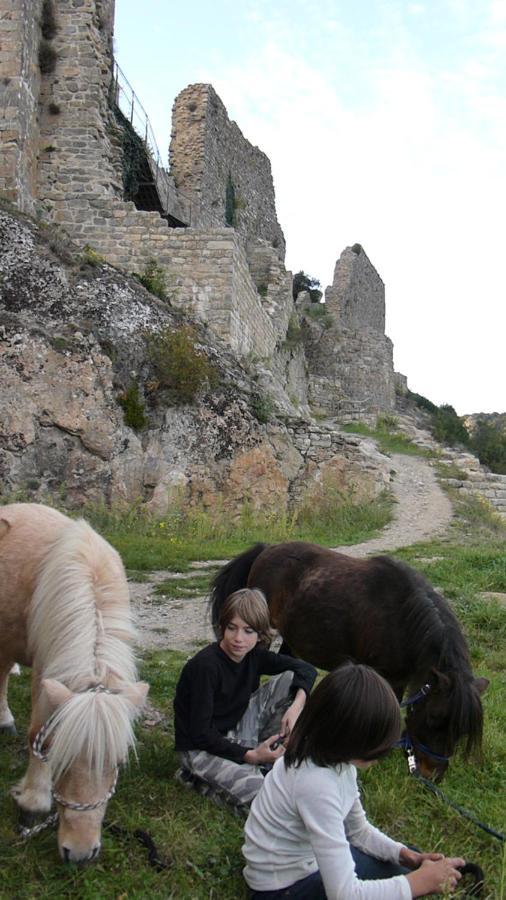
point(80, 633)
point(97, 726)
point(441, 649)
point(80, 626)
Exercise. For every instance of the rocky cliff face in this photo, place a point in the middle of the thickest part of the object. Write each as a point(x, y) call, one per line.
point(74, 338)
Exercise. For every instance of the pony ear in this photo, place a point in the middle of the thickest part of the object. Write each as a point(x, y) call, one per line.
point(55, 691)
point(440, 679)
point(4, 527)
point(481, 684)
point(136, 693)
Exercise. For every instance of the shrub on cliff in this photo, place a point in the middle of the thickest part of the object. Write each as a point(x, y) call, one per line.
point(447, 427)
point(153, 279)
point(180, 366)
point(489, 444)
point(133, 408)
point(303, 282)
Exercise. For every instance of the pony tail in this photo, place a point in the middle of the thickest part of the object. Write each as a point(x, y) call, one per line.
point(231, 578)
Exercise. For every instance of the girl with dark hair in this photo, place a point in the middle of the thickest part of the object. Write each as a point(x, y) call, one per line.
point(307, 835)
point(226, 723)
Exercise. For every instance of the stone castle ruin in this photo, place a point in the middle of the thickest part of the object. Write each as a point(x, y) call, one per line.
point(72, 160)
point(63, 161)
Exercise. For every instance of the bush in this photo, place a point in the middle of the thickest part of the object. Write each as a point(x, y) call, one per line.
point(387, 423)
point(422, 402)
point(133, 408)
point(181, 367)
point(319, 311)
point(489, 444)
point(153, 279)
point(447, 427)
point(90, 257)
point(262, 408)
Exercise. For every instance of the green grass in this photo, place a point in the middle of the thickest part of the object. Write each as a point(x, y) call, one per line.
point(173, 543)
point(204, 841)
point(389, 440)
point(182, 588)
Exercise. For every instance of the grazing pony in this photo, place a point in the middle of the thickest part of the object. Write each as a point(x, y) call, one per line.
point(329, 608)
point(64, 611)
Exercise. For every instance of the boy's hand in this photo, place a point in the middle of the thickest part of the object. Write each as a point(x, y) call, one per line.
point(293, 712)
point(263, 753)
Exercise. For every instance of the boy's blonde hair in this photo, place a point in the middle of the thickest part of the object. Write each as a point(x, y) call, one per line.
point(251, 606)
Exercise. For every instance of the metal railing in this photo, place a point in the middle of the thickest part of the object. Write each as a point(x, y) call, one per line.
point(127, 101)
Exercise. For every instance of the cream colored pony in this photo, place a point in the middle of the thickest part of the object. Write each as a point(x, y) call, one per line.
point(64, 611)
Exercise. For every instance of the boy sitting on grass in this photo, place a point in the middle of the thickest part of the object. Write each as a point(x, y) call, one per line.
point(229, 730)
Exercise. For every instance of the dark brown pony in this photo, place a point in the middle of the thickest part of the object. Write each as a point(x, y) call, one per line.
point(330, 608)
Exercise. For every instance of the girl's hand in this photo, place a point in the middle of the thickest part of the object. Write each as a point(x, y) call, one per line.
point(413, 859)
point(435, 876)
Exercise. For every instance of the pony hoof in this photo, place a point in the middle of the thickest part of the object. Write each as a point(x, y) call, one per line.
point(9, 729)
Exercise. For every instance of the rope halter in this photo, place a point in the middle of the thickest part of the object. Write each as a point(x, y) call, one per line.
point(38, 751)
point(407, 743)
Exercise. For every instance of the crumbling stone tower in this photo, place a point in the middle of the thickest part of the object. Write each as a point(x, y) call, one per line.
point(350, 357)
point(225, 178)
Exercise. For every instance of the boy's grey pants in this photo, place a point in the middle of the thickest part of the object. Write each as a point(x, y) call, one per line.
point(240, 782)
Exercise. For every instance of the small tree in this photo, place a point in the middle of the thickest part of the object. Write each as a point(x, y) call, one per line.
point(303, 282)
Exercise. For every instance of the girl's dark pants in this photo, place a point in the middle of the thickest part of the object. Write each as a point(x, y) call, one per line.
point(311, 888)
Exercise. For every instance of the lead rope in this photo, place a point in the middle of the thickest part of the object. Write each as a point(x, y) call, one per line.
point(460, 809)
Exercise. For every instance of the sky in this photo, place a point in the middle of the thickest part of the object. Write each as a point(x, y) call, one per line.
point(385, 125)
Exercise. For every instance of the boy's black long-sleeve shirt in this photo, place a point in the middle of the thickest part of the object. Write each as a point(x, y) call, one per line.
point(213, 693)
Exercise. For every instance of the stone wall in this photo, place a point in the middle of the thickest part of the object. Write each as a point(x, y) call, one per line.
point(357, 295)
point(79, 160)
point(20, 36)
point(208, 155)
point(206, 270)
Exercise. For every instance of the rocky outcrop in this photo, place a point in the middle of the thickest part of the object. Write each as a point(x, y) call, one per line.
point(74, 339)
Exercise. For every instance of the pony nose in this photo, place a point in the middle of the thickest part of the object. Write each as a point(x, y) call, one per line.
point(91, 857)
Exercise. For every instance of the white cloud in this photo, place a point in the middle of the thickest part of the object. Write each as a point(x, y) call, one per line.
point(423, 194)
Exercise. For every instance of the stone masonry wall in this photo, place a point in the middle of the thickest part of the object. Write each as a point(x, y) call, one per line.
point(206, 270)
point(79, 166)
point(20, 35)
point(207, 151)
point(357, 295)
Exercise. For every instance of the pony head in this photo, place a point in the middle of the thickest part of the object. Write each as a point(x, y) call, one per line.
point(86, 738)
point(449, 716)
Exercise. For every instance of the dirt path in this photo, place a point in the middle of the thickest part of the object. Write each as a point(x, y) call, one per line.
point(422, 511)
